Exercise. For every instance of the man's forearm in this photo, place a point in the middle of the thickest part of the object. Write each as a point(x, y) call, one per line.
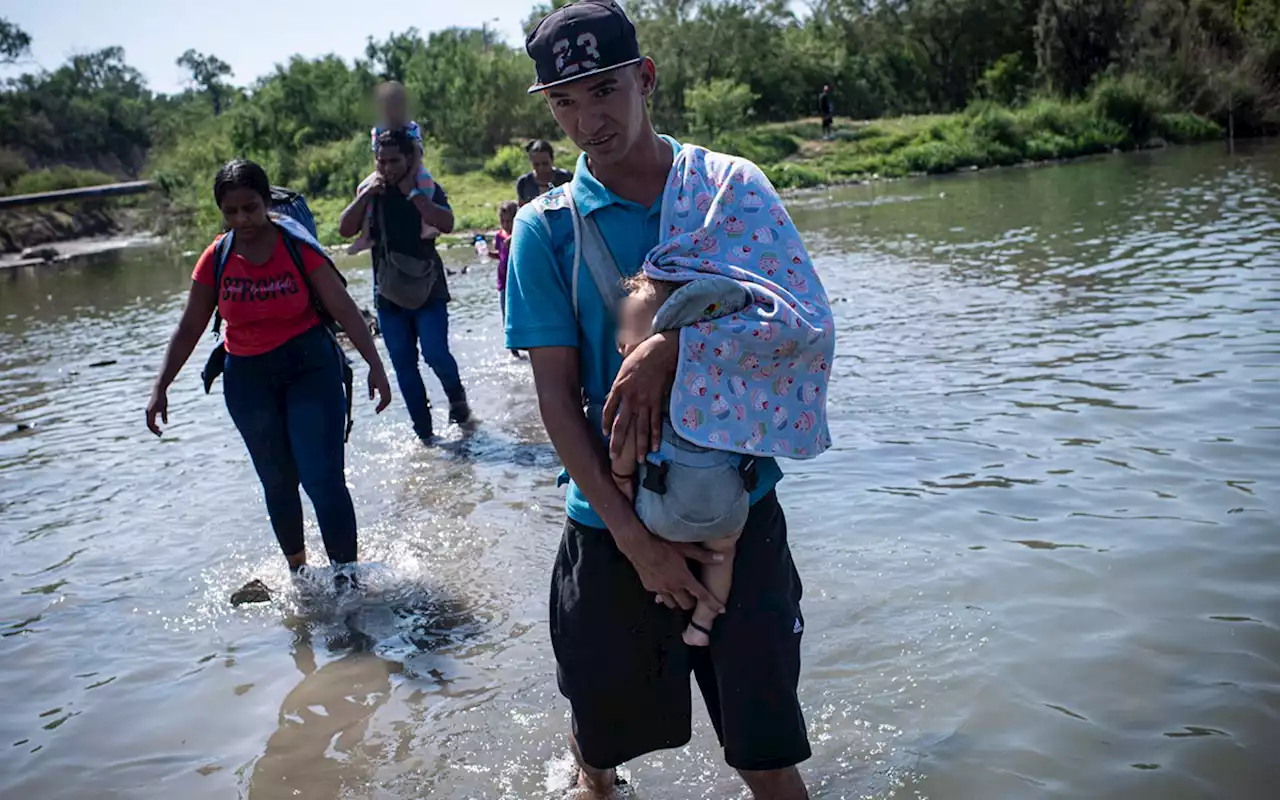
point(352, 218)
point(585, 458)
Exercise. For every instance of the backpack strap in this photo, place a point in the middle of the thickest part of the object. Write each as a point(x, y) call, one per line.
point(293, 244)
point(221, 253)
point(590, 246)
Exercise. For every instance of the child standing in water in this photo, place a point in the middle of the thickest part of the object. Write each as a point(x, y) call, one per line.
point(686, 493)
point(393, 109)
point(502, 250)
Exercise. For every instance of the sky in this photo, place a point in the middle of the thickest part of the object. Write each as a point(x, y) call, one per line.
point(250, 35)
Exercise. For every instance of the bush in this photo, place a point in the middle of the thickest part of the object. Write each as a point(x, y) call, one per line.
point(995, 124)
point(507, 164)
point(882, 142)
point(793, 176)
point(1187, 128)
point(760, 146)
point(936, 157)
point(333, 168)
point(1046, 146)
point(12, 167)
point(1131, 101)
point(1007, 80)
point(802, 129)
point(718, 105)
point(1055, 116)
point(851, 166)
point(58, 178)
point(1104, 137)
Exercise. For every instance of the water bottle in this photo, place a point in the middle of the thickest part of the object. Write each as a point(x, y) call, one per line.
point(482, 248)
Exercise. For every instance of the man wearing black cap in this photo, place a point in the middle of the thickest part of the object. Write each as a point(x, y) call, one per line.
point(617, 590)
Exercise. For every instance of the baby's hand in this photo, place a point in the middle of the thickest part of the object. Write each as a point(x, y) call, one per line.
point(623, 471)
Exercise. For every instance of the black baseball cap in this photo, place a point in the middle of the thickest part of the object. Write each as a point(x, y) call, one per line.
point(580, 40)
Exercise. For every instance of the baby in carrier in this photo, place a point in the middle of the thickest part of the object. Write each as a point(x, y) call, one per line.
point(683, 492)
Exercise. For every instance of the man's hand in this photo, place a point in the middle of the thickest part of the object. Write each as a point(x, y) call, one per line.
point(376, 186)
point(636, 402)
point(664, 569)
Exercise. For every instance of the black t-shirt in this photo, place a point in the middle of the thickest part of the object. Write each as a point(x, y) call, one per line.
point(404, 234)
point(824, 104)
point(527, 188)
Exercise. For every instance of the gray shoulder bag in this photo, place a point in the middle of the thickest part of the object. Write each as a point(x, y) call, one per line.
point(405, 280)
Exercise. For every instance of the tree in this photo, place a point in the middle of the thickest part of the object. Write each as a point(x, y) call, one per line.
point(94, 111)
point(719, 105)
point(541, 10)
point(14, 42)
point(207, 72)
point(1076, 40)
point(391, 58)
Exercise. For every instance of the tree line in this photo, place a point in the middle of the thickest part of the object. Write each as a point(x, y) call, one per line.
point(722, 64)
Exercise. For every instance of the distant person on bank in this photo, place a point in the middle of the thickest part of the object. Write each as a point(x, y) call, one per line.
point(283, 369)
point(410, 290)
point(826, 109)
point(544, 176)
point(620, 595)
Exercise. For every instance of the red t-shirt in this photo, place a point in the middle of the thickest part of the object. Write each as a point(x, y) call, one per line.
point(262, 305)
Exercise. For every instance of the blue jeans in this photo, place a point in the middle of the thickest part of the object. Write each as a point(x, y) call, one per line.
point(289, 406)
point(402, 331)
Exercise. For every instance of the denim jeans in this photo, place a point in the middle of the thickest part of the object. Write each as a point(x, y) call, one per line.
point(402, 331)
point(289, 406)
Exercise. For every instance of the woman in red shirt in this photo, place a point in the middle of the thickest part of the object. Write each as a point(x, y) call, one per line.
point(283, 369)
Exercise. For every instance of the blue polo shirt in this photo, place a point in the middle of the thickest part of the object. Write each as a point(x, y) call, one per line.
point(540, 296)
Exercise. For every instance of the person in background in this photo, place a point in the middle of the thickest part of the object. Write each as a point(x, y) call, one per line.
point(399, 208)
point(545, 174)
point(826, 109)
point(393, 110)
point(283, 369)
point(617, 590)
point(502, 251)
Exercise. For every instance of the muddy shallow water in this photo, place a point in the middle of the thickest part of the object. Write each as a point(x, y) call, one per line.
point(1042, 560)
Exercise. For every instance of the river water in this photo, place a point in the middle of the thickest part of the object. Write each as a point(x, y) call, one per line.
point(1041, 561)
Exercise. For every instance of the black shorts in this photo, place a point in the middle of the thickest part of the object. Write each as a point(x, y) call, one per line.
point(625, 669)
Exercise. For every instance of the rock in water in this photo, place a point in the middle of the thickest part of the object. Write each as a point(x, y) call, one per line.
point(42, 253)
point(255, 591)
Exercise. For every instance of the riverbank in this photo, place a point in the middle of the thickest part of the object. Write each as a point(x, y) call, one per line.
point(795, 155)
point(1116, 117)
point(27, 228)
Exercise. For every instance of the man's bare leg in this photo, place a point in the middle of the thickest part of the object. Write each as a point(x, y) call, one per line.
point(775, 784)
point(718, 578)
point(599, 782)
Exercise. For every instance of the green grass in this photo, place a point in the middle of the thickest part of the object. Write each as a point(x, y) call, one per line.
point(55, 179)
point(1119, 114)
